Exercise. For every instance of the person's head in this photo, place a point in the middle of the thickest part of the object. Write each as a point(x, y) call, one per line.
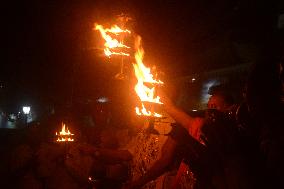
point(220, 99)
point(218, 102)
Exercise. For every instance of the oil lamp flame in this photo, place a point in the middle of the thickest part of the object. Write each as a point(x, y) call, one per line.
point(112, 43)
point(64, 135)
point(146, 93)
point(146, 87)
point(144, 112)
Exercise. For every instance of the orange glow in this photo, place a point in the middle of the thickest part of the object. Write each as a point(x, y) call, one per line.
point(144, 112)
point(143, 74)
point(64, 135)
point(112, 43)
point(146, 87)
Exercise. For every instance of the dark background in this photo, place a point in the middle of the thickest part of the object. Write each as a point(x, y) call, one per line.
point(48, 54)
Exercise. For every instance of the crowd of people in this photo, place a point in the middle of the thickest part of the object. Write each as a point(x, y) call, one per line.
point(230, 145)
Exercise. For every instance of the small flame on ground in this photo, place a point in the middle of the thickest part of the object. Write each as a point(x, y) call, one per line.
point(64, 135)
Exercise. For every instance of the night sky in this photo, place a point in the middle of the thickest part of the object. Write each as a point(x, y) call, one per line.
point(48, 46)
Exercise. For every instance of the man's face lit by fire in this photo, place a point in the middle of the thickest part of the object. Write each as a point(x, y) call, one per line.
point(217, 102)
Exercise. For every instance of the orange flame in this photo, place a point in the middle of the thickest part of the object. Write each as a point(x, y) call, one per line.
point(112, 43)
point(64, 135)
point(146, 93)
point(143, 75)
point(145, 112)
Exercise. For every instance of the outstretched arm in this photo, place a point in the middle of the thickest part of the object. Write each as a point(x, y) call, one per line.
point(159, 167)
point(177, 114)
point(114, 155)
point(107, 155)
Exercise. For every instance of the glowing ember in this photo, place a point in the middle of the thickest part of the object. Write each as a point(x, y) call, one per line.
point(64, 135)
point(143, 74)
point(111, 43)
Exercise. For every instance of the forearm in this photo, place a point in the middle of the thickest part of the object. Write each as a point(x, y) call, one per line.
point(154, 172)
point(160, 166)
point(106, 155)
point(179, 116)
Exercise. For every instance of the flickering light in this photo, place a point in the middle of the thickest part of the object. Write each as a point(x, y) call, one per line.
point(26, 109)
point(102, 99)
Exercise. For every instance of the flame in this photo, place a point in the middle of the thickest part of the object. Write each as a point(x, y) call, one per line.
point(64, 134)
point(110, 42)
point(146, 87)
point(145, 112)
point(143, 74)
